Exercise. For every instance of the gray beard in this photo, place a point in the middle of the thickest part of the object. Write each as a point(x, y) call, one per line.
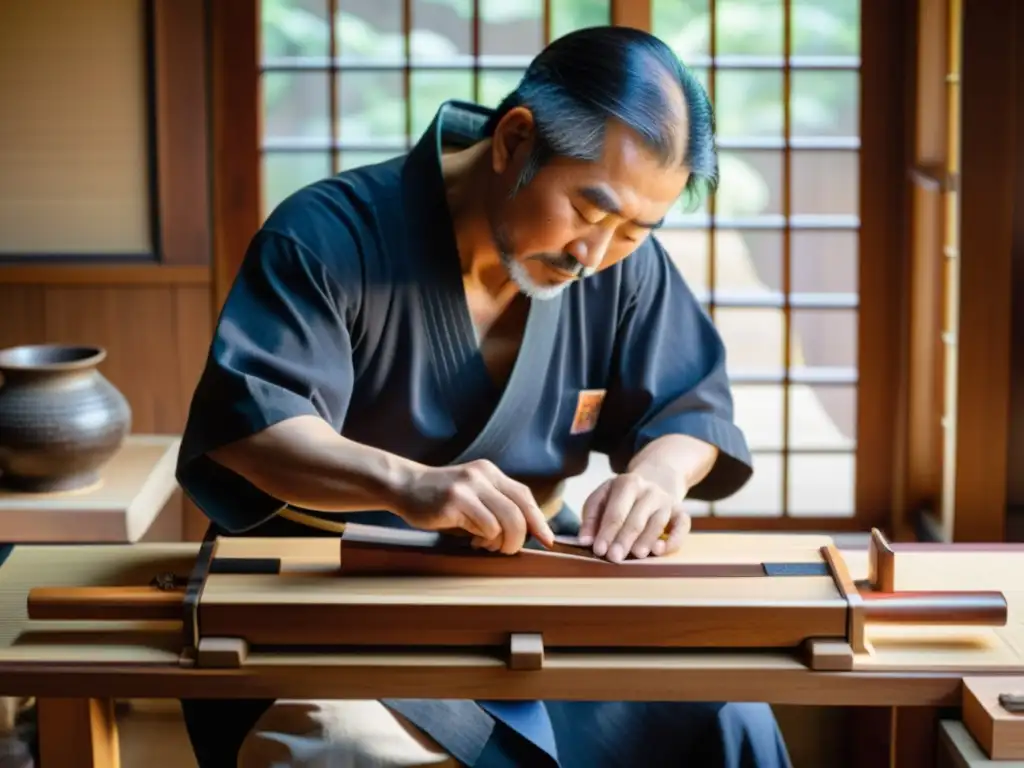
point(521, 277)
point(517, 272)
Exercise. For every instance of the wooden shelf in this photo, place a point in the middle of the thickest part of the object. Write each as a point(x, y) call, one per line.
point(100, 273)
point(134, 487)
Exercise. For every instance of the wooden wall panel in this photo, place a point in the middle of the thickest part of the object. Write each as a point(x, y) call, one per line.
point(989, 158)
point(156, 337)
point(883, 275)
point(1015, 449)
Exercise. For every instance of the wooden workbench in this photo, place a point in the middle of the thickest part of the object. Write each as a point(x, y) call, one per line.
point(94, 665)
point(133, 488)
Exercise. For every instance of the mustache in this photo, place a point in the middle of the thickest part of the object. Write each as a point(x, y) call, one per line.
point(565, 262)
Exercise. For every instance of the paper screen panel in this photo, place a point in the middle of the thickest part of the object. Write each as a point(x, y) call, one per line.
point(73, 130)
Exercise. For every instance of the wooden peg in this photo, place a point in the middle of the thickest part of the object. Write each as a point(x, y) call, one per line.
point(825, 655)
point(881, 563)
point(526, 651)
point(222, 652)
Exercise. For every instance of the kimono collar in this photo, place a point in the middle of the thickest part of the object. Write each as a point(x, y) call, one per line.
point(456, 124)
point(428, 218)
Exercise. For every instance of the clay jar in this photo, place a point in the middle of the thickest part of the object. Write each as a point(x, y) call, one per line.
point(60, 419)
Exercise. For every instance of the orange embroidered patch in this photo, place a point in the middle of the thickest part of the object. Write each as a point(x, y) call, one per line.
point(588, 408)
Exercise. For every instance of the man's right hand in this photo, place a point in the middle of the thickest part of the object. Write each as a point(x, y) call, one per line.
point(478, 498)
point(304, 462)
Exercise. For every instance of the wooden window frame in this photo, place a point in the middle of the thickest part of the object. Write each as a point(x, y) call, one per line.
point(990, 191)
point(966, 97)
point(176, 121)
point(235, 135)
point(883, 195)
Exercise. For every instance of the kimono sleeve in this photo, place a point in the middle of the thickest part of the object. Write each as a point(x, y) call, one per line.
point(281, 348)
point(669, 376)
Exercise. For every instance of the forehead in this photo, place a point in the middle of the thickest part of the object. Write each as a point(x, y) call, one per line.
point(631, 170)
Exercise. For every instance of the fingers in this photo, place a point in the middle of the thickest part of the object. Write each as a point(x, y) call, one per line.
point(678, 527)
point(633, 517)
point(509, 516)
point(591, 515)
point(498, 511)
point(465, 510)
point(648, 512)
point(624, 516)
point(533, 516)
point(622, 494)
point(479, 542)
point(657, 522)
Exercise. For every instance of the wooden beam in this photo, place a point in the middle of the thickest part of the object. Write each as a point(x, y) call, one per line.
point(78, 732)
point(1015, 450)
point(631, 13)
point(178, 51)
point(235, 118)
point(882, 279)
point(989, 159)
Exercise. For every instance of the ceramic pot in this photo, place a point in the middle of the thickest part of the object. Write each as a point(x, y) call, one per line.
point(60, 419)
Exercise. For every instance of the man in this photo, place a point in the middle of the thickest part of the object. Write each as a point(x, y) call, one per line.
point(439, 340)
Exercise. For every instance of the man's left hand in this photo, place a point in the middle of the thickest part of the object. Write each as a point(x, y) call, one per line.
point(630, 514)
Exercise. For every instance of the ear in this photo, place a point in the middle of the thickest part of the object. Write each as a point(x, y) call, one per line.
point(513, 138)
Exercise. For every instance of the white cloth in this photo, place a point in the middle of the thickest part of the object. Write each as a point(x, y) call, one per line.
point(10, 708)
point(337, 734)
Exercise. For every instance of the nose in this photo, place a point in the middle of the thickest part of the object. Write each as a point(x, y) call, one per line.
point(591, 250)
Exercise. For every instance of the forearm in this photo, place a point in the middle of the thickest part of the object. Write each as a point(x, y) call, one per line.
point(305, 463)
point(675, 463)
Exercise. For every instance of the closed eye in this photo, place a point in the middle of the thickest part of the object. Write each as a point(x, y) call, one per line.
point(629, 238)
point(580, 216)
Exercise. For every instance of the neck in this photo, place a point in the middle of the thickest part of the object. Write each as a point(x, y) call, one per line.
point(465, 174)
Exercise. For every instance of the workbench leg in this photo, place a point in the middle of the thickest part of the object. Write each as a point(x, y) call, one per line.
point(893, 737)
point(77, 733)
point(916, 736)
point(869, 737)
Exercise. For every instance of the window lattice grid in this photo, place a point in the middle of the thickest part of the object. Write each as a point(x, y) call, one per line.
point(774, 255)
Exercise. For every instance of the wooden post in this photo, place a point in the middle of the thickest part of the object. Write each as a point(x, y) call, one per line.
point(78, 733)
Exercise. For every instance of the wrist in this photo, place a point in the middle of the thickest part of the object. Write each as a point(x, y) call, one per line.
point(664, 475)
point(394, 478)
point(675, 463)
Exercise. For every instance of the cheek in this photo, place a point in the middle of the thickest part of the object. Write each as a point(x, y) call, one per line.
point(539, 225)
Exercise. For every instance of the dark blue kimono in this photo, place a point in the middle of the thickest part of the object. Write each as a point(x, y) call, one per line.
point(350, 306)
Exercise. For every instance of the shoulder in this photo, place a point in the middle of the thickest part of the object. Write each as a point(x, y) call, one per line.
point(337, 221)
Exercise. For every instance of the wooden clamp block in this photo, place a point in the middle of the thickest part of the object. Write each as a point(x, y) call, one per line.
point(993, 711)
point(526, 651)
point(846, 586)
point(823, 655)
point(221, 652)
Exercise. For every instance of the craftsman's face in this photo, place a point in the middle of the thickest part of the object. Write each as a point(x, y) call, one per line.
point(575, 218)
